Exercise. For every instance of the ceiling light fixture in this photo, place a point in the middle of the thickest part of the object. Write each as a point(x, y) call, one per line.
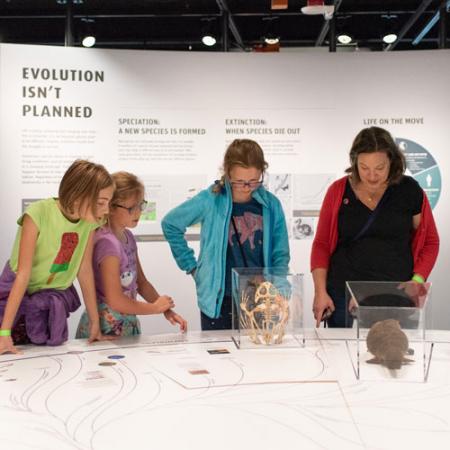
point(271, 40)
point(344, 39)
point(209, 40)
point(389, 26)
point(88, 41)
point(88, 37)
point(271, 32)
point(208, 36)
point(389, 38)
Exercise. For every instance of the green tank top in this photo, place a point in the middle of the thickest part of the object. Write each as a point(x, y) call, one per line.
point(59, 248)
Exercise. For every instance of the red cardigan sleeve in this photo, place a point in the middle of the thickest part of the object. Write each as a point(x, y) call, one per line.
point(425, 244)
point(326, 236)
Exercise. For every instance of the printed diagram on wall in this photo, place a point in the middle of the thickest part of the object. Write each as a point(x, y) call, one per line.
point(301, 196)
point(423, 167)
point(310, 189)
point(281, 185)
point(164, 192)
point(303, 227)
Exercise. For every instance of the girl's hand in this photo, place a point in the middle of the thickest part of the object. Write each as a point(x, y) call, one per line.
point(175, 318)
point(96, 335)
point(163, 303)
point(7, 346)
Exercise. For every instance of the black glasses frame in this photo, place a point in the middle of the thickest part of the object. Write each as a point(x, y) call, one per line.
point(140, 206)
point(249, 184)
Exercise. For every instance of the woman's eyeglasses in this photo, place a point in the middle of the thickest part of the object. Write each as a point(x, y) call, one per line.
point(132, 209)
point(250, 184)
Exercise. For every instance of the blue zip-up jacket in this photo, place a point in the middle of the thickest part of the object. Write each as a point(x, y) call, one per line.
point(213, 212)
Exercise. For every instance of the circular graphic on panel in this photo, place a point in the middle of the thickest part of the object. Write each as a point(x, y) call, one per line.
point(421, 165)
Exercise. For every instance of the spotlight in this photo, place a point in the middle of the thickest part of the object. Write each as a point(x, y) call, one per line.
point(344, 39)
point(208, 34)
point(209, 40)
point(88, 35)
point(271, 40)
point(389, 25)
point(271, 30)
point(389, 38)
point(88, 41)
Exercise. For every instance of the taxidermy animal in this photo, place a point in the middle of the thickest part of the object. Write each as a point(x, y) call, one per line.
point(388, 344)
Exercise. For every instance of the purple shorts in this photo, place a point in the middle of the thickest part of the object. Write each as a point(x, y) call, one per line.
point(42, 316)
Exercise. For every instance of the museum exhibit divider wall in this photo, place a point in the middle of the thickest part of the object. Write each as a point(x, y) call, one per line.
point(168, 117)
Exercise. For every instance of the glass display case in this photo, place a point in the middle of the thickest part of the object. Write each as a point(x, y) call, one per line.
point(267, 308)
point(390, 320)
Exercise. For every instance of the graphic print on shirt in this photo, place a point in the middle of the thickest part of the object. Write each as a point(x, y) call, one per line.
point(246, 225)
point(69, 242)
point(126, 278)
point(128, 272)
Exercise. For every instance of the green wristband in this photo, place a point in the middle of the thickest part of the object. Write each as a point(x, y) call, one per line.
point(418, 279)
point(5, 332)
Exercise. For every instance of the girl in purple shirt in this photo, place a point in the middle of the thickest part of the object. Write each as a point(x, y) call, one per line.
point(118, 273)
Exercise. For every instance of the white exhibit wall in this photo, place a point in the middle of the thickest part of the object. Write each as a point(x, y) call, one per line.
point(168, 116)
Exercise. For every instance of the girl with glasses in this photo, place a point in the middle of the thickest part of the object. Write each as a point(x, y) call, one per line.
point(118, 273)
point(242, 225)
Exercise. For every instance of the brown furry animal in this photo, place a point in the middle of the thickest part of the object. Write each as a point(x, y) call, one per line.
point(388, 343)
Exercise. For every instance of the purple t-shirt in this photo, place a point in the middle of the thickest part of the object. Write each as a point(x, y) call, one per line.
point(107, 244)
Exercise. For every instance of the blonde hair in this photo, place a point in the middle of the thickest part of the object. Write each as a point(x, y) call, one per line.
point(127, 185)
point(82, 183)
point(244, 153)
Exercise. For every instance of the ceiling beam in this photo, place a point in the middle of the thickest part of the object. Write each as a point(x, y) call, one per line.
point(443, 8)
point(223, 6)
point(68, 31)
point(412, 20)
point(194, 15)
point(326, 25)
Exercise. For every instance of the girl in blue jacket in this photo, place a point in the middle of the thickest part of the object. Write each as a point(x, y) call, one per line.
point(242, 225)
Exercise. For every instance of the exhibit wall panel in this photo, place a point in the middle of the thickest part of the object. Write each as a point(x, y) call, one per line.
point(168, 117)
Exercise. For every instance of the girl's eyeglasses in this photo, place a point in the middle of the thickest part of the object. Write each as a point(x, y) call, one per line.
point(132, 209)
point(250, 184)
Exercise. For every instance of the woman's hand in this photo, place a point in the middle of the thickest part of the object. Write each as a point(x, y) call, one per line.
point(417, 292)
point(7, 346)
point(322, 305)
point(175, 318)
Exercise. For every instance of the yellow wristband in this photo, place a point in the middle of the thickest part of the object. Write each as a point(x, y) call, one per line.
point(5, 332)
point(418, 279)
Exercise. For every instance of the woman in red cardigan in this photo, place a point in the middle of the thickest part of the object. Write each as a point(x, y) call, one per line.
point(375, 224)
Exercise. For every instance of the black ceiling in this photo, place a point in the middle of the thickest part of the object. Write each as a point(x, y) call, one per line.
point(178, 24)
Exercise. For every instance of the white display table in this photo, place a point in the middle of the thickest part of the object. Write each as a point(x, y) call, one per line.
point(200, 392)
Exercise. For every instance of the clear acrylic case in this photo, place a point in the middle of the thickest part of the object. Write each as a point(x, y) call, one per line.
point(267, 308)
point(390, 323)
